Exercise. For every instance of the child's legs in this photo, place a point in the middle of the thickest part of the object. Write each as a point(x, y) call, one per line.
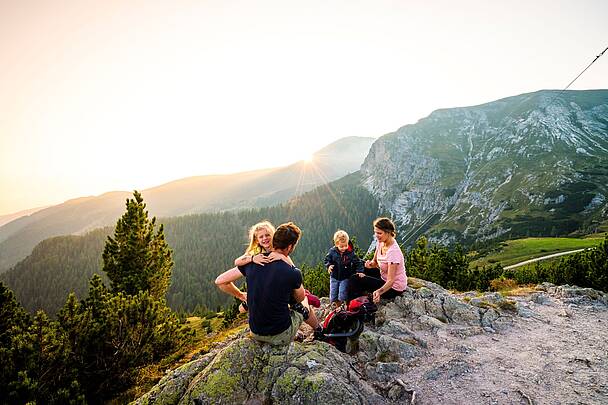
point(343, 290)
point(334, 286)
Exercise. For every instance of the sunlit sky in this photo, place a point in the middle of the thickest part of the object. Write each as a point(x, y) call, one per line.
point(120, 95)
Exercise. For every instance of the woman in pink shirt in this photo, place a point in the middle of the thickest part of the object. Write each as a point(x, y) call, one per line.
point(384, 275)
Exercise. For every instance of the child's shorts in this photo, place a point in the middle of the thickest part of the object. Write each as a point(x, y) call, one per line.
point(338, 289)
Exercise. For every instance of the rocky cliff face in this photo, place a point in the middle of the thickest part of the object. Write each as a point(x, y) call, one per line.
point(534, 164)
point(425, 347)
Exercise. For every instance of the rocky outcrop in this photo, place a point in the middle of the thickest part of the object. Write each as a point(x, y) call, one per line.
point(246, 371)
point(420, 342)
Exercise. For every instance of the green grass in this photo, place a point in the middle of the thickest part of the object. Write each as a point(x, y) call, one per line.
point(518, 250)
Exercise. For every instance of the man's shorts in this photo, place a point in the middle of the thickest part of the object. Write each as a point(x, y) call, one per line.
point(285, 337)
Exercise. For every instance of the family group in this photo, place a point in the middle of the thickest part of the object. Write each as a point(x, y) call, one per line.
point(276, 299)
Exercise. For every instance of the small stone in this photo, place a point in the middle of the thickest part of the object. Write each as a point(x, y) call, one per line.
point(311, 363)
point(396, 392)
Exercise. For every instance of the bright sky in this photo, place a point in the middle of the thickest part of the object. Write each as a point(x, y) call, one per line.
point(116, 95)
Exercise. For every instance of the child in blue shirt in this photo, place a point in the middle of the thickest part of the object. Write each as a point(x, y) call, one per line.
point(341, 263)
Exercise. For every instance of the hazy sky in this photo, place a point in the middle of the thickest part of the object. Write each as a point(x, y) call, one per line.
point(117, 95)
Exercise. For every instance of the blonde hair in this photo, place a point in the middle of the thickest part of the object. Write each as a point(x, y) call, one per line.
point(254, 246)
point(340, 235)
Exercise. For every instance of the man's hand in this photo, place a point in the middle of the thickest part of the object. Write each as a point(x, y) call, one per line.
point(330, 268)
point(243, 296)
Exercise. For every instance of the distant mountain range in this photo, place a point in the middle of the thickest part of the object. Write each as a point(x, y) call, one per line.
point(533, 164)
point(191, 195)
point(5, 219)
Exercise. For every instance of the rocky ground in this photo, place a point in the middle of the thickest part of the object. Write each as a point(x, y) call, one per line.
point(552, 351)
point(547, 346)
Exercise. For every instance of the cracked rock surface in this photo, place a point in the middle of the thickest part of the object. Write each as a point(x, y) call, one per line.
point(426, 347)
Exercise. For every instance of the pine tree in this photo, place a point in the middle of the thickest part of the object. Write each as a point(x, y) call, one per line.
point(12, 315)
point(136, 259)
point(316, 279)
point(13, 322)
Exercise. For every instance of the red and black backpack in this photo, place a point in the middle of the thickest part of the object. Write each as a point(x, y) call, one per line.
point(343, 324)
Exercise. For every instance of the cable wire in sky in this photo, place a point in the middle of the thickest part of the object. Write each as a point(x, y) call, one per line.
point(588, 66)
point(416, 229)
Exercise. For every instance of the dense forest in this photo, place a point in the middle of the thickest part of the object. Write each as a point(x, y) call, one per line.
point(204, 245)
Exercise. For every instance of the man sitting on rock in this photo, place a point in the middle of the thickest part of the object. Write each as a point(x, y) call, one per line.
point(271, 288)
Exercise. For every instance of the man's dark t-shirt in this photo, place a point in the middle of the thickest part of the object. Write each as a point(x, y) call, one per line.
point(269, 290)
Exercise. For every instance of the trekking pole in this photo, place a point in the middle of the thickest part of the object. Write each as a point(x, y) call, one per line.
point(372, 277)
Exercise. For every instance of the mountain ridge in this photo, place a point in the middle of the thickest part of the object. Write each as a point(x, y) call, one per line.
point(460, 173)
point(6, 218)
point(190, 195)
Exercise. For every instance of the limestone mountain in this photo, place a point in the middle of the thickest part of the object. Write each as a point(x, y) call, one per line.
point(533, 164)
point(186, 196)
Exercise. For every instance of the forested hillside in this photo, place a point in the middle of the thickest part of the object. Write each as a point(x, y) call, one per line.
point(204, 245)
point(191, 195)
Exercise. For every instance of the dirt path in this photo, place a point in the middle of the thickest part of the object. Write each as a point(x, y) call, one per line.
point(542, 258)
point(559, 355)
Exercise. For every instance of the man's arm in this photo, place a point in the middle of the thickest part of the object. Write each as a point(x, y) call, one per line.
point(299, 294)
point(225, 282)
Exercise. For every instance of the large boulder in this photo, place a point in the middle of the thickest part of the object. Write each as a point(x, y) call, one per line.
point(430, 306)
point(246, 371)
